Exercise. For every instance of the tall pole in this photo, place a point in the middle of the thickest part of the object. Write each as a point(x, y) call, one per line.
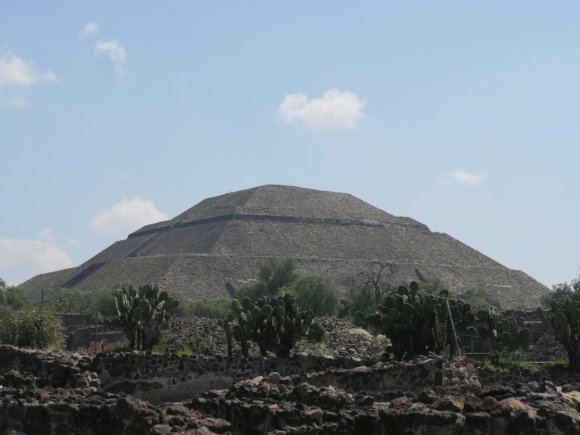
point(97, 330)
point(455, 341)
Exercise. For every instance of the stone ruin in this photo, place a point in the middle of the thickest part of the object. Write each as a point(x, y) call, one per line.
point(141, 393)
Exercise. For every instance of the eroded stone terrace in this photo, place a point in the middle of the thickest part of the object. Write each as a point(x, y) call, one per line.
point(49, 393)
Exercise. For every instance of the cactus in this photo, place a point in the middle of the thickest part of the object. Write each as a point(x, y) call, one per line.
point(504, 334)
point(142, 313)
point(563, 321)
point(226, 325)
point(243, 329)
point(417, 324)
point(274, 324)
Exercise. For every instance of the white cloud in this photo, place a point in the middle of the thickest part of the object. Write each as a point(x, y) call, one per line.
point(334, 110)
point(126, 216)
point(15, 71)
point(465, 178)
point(116, 53)
point(91, 28)
point(21, 259)
point(18, 101)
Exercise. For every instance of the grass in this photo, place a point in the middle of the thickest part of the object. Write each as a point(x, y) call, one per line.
point(509, 365)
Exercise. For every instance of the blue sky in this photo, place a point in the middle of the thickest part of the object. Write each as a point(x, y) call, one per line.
point(462, 115)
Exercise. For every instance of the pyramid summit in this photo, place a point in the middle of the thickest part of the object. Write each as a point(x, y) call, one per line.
point(219, 244)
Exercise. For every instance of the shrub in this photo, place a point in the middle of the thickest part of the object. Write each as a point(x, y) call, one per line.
point(75, 301)
point(480, 299)
point(361, 300)
point(317, 294)
point(212, 308)
point(276, 276)
point(68, 301)
point(31, 327)
point(12, 298)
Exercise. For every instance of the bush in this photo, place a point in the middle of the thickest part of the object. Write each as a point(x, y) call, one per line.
point(75, 301)
point(480, 299)
point(31, 327)
point(276, 276)
point(68, 301)
point(212, 308)
point(361, 300)
point(12, 298)
point(317, 294)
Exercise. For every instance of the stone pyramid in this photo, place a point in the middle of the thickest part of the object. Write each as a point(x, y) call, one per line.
point(218, 245)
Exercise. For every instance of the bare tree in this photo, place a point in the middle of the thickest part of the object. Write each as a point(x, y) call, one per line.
point(379, 278)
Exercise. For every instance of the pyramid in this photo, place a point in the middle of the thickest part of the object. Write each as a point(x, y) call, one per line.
point(217, 246)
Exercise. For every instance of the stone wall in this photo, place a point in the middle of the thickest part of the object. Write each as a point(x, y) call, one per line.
point(47, 393)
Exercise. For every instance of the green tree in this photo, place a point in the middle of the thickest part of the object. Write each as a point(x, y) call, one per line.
point(480, 299)
point(68, 301)
point(31, 327)
point(317, 294)
point(561, 291)
point(12, 298)
point(274, 275)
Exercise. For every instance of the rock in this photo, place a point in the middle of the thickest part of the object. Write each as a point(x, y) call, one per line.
point(428, 396)
point(256, 381)
point(450, 404)
point(513, 405)
point(401, 402)
point(274, 378)
point(104, 376)
point(572, 398)
point(314, 414)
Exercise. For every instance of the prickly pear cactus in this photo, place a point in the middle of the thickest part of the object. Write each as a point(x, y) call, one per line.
point(417, 324)
point(563, 321)
point(142, 313)
point(274, 324)
point(504, 334)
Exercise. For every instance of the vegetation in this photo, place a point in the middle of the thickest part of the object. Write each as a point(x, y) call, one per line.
point(275, 275)
point(142, 313)
point(563, 321)
point(279, 276)
point(377, 279)
point(359, 300)
point(212, 308)
point(317, 294)
point(504, 334)
point(417, 324)
point(75, 301)
point(11, 298)
point(480, 299)
point(561, 291)
point(273, 324)
point(31, 327)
